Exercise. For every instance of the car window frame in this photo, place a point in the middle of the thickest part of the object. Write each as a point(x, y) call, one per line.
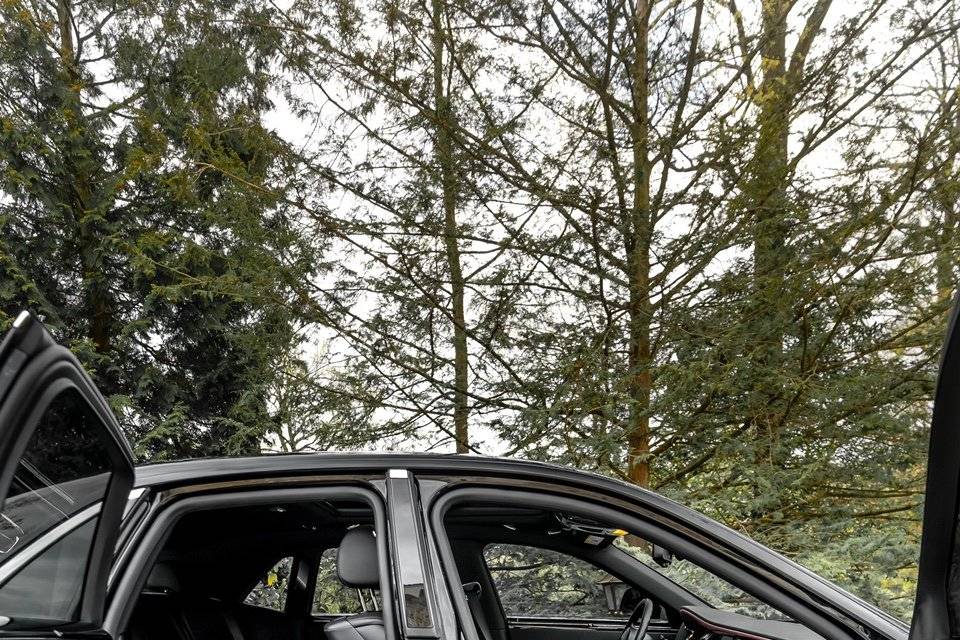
point(412, 567)
point(738, 571)
point(36, 371)
point(179, 501)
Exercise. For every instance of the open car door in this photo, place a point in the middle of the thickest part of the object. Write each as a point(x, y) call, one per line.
point(936, 614)
point(65, 474)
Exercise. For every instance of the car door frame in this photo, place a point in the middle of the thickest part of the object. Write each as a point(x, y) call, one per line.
point(174, 503)
point(738, 571)
point(34, 370)
point(659, 627)
point(937, 604)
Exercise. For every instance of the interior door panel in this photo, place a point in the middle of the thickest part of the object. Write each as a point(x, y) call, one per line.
point(554, 629)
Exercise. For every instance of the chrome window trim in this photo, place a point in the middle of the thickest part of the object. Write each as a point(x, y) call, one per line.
point(158, 526)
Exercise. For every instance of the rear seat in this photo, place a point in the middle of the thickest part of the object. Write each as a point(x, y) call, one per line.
point(257, 623)
point(164, 612)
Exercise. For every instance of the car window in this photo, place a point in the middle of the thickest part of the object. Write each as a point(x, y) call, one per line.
point(63, 474)
point(49, 587)
point(64, 470)
point(544, 583)
point(271, 591)
point(332, 597)
point(710, 588)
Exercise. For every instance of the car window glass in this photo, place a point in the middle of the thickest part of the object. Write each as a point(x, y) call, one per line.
point(540, 582)
point(332, 597)
point(64, 470)
point(710, 588)
point(271, 591)
point(59, 482)
point(49, 587)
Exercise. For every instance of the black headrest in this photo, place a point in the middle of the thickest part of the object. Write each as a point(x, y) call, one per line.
point(163, 579)
point(357, 559)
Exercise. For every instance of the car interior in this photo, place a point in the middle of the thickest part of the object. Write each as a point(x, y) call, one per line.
point(539, 573)
point(542, 573)
point(298, 571)
point(310, 571)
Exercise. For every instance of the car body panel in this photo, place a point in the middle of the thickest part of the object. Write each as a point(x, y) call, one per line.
point(159, 484)
point(936, 613)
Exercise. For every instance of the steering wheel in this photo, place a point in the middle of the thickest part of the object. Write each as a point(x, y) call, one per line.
point(638, 621)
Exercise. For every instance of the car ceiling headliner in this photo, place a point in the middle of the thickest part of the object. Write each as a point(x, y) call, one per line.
point(222, 532)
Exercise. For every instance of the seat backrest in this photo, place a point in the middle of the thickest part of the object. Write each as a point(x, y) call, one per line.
point(258, 623)
point(358, 566)
point(362, 626)
point(164, 612)
point(157, 616)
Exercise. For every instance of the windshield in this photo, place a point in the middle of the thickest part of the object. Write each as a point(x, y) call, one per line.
point(707, 586)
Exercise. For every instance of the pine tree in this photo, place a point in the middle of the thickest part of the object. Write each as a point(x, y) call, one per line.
point(135, 221)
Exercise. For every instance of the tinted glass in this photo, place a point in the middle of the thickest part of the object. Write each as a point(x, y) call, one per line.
point(271, 591)
point(332, 597)
point(710, 588)
point(543, 583)
point(50, 586)
point(64, 470)
point(409, 560)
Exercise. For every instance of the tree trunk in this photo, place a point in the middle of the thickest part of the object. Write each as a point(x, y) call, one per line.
point(448, 184)
point(769, 210)
point(639, 357)
point(945, 186)
point(80, 191)
point(947, 250)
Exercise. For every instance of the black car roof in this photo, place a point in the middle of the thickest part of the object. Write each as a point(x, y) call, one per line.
point(204, 469)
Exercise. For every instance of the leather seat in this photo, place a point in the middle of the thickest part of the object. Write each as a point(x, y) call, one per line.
point(358, 567)
point(165, 612)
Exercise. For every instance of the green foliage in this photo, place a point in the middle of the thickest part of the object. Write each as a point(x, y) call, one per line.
point(330, 596)
point(271, 591)
point(710, 251)
point(540, 582)
point(139, 217)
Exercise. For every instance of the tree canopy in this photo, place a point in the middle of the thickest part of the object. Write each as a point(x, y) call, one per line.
point(704, 246)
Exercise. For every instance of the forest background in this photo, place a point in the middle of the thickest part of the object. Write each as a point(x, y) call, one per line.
point(704, 246)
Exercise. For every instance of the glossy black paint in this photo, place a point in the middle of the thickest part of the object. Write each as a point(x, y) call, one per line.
point(31, 364)
point(937, 606)
point(33, 371)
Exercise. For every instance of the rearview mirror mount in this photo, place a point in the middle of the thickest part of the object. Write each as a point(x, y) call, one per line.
point(662, 556)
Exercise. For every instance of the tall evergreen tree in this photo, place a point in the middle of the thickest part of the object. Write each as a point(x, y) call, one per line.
point(711, 277)
point(133, 218)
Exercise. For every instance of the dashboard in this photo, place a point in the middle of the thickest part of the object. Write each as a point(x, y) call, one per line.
point(707, 623)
